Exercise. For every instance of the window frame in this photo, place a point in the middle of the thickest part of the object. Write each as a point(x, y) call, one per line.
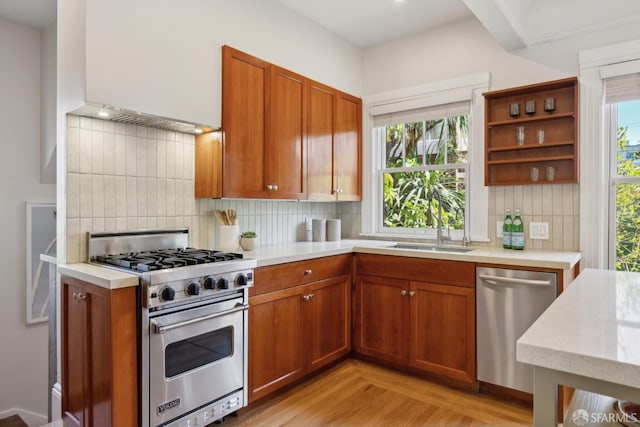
point(611, 124)
point(463, 89)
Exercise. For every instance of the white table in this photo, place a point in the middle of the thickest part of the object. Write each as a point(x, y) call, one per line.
point(589, 339)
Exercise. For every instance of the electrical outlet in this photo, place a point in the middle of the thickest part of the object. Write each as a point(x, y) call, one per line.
point(539, 230)
point(499, 225)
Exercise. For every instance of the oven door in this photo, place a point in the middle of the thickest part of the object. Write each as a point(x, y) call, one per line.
point(195, 357)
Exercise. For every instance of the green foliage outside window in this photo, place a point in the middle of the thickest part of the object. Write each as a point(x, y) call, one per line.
point(412, 198)
point(627, 208)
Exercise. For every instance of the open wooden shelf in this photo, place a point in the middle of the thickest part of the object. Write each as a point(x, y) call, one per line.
point(506, 162)
point(530, 147)
point(530, 119)
point(528, 160)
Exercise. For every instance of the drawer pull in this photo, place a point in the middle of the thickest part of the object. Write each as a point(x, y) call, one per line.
point(308, 272)
point(403, 292)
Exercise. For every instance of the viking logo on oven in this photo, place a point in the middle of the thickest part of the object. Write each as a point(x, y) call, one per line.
point(168, 405)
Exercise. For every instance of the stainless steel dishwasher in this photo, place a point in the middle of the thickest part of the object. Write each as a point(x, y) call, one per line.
point(507, 303)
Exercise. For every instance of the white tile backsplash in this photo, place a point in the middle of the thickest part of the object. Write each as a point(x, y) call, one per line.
point(558, 205)
point(126, 177)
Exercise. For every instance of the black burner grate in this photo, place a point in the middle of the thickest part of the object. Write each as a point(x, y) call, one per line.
point(166, 258)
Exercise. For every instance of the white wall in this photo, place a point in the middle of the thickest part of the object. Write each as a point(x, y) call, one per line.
point(23, 371)
point(163, 57)
point(48, 110)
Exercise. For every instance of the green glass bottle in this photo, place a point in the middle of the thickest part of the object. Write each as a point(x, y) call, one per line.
point(517, 232)
point(506, 230)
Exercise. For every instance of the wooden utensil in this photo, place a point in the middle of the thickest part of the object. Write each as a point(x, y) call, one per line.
point(219, 217)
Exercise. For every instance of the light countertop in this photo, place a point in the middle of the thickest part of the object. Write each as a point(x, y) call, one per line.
point(591, 329)
point(101, 276)
point(288, 252)
point(298, 251)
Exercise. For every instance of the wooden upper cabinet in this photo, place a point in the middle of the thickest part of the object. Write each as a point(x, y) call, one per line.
point(553, 110)
point(321, 109)
point(284, 136)
point(244, 93)
point(285, 149)
point(334, 135)
point(347, 148)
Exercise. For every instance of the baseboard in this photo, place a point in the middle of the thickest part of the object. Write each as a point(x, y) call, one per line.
point(32, 419)
point(56, 402)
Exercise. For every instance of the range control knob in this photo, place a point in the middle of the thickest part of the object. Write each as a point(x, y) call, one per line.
point(167, 293)
point(193, 288)
point(209, 282)
point(242, 280)
point(223, 283)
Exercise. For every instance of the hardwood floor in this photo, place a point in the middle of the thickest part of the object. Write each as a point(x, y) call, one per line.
point(356, 393)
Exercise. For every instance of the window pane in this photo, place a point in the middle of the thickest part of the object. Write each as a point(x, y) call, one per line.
point(412, 138)
point(393, 146)
point(628, 227)
point(411, 199)
point(628, 150)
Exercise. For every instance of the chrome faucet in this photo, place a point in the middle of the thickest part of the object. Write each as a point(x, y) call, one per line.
point(440, 238)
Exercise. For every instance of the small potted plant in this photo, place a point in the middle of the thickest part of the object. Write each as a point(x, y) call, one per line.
point(248, 240)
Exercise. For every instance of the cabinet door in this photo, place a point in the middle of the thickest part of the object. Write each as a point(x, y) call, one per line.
point(327, 320)
point(275, 341)
point(286, 146)
point(244, 93)
point(347, 147)
point(382, 316)
point(75, 376)
point(321, 113)
point(443, 330)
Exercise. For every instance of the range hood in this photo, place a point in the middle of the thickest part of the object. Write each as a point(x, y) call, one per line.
point(121, 115)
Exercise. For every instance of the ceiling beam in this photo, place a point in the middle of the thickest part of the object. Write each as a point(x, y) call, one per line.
point(505, 20)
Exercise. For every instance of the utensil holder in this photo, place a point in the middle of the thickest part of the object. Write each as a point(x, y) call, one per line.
point(228, 238)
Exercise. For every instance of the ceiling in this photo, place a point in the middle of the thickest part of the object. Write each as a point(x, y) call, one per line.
point(515, 24)
point(33, 13)
point(369, 22)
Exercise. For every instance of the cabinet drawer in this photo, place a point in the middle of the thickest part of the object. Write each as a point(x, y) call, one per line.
point(281, 276)
point(444, 272)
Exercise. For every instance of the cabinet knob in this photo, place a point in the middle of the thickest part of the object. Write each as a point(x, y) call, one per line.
point(338, 190)
point(269, 187)
point(403, 292)
point(275, 187)
point(412, 293)
point(308, 272)
point(306, 297)
point(311, 296)
point(79, 296)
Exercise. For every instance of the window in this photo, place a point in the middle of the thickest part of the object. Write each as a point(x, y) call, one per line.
point(423, 174)
point(624, 228)
point(423, 158)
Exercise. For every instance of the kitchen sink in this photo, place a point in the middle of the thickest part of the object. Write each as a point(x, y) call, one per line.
point(432, 248)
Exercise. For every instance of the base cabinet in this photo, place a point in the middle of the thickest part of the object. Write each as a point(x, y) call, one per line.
point(99, 355)
point(297, 329)
point(411, 323)
point(443, 339)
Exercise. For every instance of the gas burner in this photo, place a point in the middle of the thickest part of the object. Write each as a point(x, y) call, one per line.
point(145, 261)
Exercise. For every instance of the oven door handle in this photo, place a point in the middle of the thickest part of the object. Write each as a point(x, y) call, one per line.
point(161, 329)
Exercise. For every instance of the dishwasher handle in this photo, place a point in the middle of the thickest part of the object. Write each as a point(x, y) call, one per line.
point(510, 280)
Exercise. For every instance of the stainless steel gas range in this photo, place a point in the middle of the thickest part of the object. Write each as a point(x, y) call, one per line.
point(193, 323)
